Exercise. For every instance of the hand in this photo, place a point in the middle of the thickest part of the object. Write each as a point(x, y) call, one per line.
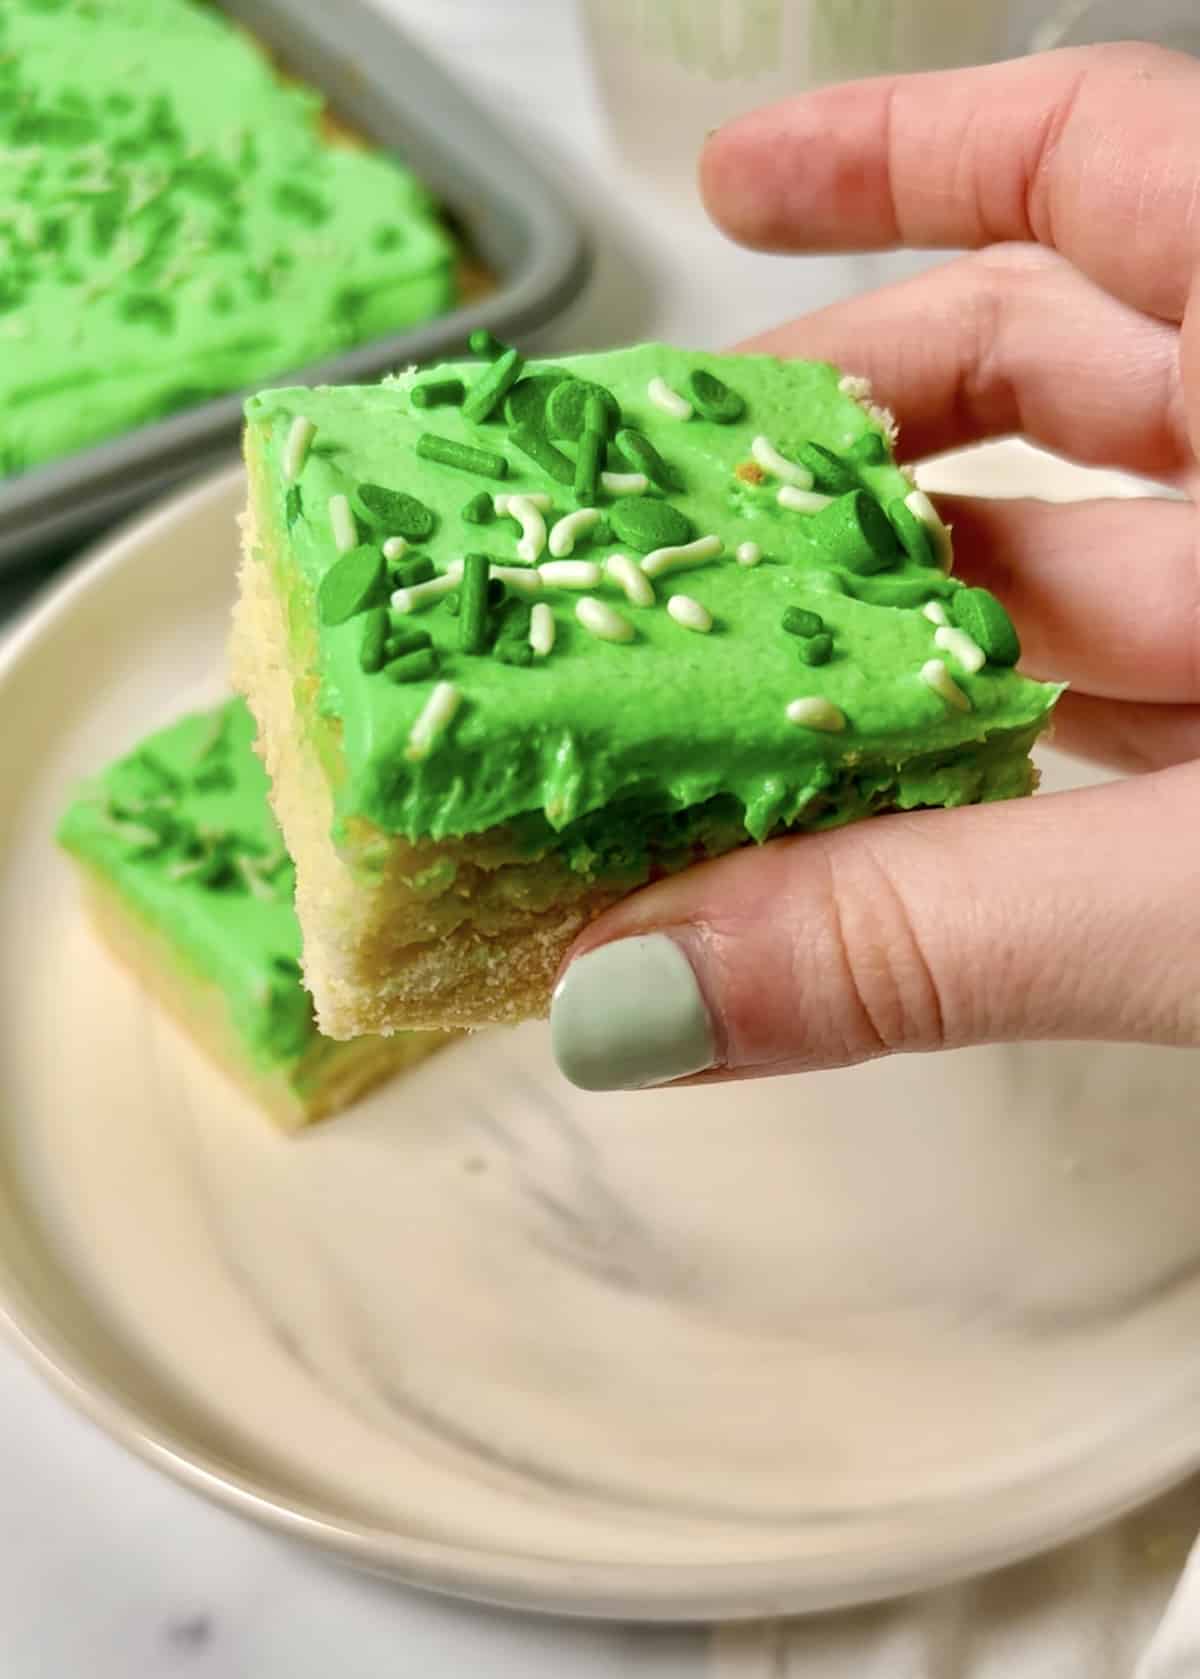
point(1073, 916)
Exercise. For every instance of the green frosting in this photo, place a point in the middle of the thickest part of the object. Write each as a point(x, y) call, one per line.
point(182, 830)
point(173, 225)
point(609, 751)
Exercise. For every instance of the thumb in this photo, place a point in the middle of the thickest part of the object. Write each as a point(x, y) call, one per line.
point(1075, 915)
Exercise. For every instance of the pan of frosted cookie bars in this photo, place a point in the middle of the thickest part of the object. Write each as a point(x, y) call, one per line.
point(199, 199)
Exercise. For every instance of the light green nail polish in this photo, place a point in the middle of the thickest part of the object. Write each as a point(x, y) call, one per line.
point(630, 1014)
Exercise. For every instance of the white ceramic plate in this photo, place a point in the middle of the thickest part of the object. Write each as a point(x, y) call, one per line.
point(677, 1355)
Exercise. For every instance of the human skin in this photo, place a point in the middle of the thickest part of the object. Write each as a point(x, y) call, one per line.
point(1074, 181)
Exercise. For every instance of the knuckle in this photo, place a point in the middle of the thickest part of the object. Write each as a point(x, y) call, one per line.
point(893, 992)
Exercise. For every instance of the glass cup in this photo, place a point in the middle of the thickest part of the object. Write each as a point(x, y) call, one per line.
point(671, 70)
point(1169, 23)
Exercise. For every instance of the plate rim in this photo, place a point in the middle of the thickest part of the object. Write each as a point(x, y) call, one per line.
point(670, 1592)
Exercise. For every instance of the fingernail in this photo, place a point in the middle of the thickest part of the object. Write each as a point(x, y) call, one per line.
point(630, 1014)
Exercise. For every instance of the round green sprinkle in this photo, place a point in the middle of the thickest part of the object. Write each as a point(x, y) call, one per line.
point(406, 573)
point(392, 512)
point(566, 410)
point(482, 343)
point(511, 642)
point(445, 451)
point(713, 399)
point(637, 449)
point(869, 449)
point(534, 443)
point(854, 532)
point(473, 609)
point(451, 603)
point(981, 616)
point(525, 404)
point(816, 649)
point(497, 593)
point(434, 392)
point(601, 533)
point(353, 584)
point(480, 510)
point(645, 524)
point(797, 620)
point(492, 386)
point(412, 667)
point(914, 538)
point(831, 474)
point(371, 653)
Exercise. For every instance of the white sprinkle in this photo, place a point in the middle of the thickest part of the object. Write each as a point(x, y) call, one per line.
point(394, 548)
point(769, 458)
point(662, 396)
point(341, 523)
point(602, 620)
point(918, 503)
point(853, 385)
point(535, 498)
point(639, 591)
point(802, 501)
point(678, 558)
point(295, 450)
point(541, 629)
point(418, 595)
point(748, 553)
point(816, 713)
point(935, 612)
point(935, 675)
point(533, 528)
point(567, 531)
point(570, 574)
point(436, 715)
point(960, 646)
point(524, 579)
point(690, 613)
point(624, 483)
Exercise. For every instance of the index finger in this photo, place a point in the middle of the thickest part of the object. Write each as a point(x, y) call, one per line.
point(1093, 151)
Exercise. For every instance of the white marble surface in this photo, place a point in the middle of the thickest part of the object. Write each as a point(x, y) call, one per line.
point(108, 1571)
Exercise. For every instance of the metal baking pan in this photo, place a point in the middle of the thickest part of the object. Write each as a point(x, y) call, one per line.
point(384, 87)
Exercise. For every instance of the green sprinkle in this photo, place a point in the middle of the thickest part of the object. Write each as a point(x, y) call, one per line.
point(451, 603)
point(713, 399)
point(480, 510)
point(482, 343)
point(869, 449)
point(981, 616)
point(406, 573)
point(293, 506)
point(542, 453)
point(645, 524)
point(392, 512)
point(371, 654)
point(353, 584)
point(797, 620)
point(412, 667)
point(404, 635)
point(854, 532)
point(436, 392)
point(831, 475)
point(473, 611)
point(497, 593)
point(601, 532)
point(491, 389)
point(566, 410)
point(816, 649)
point(525, 404)
point(589, 463)
point(642, 456)
point(446, 452)
point(511, 643)
point(914, 538)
